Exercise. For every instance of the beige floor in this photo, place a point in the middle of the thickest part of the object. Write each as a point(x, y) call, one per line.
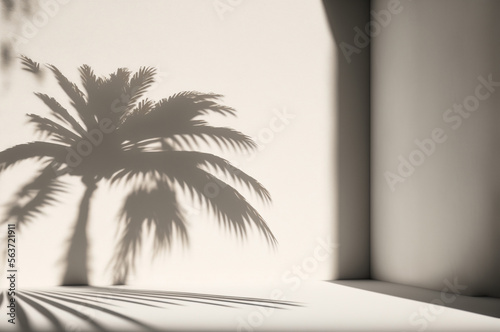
point(305, 306)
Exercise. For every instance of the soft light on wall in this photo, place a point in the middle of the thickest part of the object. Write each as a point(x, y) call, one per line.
point(272, 60)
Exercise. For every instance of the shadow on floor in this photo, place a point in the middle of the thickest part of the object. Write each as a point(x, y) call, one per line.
point(488, 306)
point(83, 303)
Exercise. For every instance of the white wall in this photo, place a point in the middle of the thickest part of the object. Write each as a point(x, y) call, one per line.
point(441, 221)
point(263, 56)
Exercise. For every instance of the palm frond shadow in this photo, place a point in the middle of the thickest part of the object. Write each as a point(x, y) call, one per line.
point(49, 297)
point(56, 323)
point(29, 65)
point(117, 297)
point(113, 135)
point(23, 318)
point(199, 298)
point(84, 304)
point(42, 301)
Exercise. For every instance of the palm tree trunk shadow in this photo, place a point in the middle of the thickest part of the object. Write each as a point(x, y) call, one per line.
point(77, 257)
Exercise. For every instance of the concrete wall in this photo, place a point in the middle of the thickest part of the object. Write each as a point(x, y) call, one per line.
point(435, 215)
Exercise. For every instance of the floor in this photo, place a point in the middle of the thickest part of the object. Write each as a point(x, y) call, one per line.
point(362, 305)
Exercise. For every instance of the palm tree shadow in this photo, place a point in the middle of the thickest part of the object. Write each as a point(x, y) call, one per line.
point(86, 303)
point(114, 135)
